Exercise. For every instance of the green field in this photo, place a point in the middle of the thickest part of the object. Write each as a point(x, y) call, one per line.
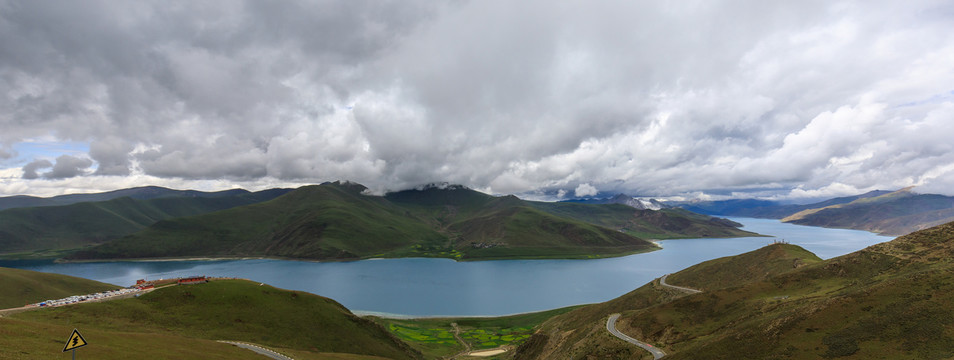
point(434, 337)
point(196, 315)
point(21, 287)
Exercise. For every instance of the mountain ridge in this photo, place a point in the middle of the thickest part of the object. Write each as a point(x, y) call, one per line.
point(339, 221)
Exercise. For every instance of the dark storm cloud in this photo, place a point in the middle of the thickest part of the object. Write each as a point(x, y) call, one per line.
point(67, 166)
point(648, 97)
point(29, 170)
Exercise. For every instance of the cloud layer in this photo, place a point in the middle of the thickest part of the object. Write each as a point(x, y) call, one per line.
point(810, 98)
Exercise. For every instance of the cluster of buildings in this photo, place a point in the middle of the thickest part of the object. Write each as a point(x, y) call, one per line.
point(79, 298)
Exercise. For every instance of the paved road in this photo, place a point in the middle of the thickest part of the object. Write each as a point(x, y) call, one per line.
point(258, 349)
point(611, 323)
point(611, 327)
point(662, 281)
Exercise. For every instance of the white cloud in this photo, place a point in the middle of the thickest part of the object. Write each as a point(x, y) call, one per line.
point(585, 190)
point(780, 99)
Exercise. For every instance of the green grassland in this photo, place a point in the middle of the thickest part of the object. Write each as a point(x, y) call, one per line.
point(434, 337)
point(21, 287)
point(651, 224)
point(337, 221)
point(47, 230)
point(196, 315)
point(894, 300)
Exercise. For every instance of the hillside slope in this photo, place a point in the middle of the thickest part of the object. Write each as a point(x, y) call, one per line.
point(138, 193)
point(338, 221)
point(765, 209)
point(892, 300)
point(581, 333)
point(21, 287)
point(895, 213)
point(655, 224)
point(84, 223)
point(237, 310)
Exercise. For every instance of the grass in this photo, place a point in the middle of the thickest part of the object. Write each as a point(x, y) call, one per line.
point(893, 300)
point(434, 337)
point(46, 230)
point(233, 310)
point(21, 287)
point(336, 221)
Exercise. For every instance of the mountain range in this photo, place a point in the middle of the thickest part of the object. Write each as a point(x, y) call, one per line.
point(339, 221)
point(893, 300)
point(86, 219)
point(885, 212)
point(637, 203)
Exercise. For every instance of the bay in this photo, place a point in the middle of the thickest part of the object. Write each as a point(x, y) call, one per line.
point(443, 287)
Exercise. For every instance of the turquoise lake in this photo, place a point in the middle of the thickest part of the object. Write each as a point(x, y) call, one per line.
point(435, 287)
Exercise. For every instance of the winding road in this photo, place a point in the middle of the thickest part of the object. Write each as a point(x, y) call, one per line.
point(662, 281)
point(611, 327)
point(657, 353)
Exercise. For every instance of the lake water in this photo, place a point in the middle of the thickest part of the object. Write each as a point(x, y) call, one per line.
point(431, 287)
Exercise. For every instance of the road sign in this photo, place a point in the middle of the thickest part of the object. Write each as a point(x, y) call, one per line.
point(76, 340)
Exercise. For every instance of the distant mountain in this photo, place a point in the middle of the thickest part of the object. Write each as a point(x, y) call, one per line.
point(641, 204)
point(140, 193)
point(894, 213)
point(338, 221)
point(763, 208)
point(891, 300)
point(884, 212)
point(84, 223)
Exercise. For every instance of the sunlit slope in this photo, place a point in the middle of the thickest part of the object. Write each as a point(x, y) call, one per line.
point(84, 223)
point(21, 287)
point(655, 224)
point(235, 310)
point(895, 213)
point(582, 332)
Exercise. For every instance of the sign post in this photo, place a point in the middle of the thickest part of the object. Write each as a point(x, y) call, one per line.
point(75, 341)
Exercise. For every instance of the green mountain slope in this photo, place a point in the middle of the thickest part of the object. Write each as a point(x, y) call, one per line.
point(236, 310)
point(338, 221)
point(21, 287)
point(765, 209)
point(582, 332)
point(895, 213)
point(330, 221)
point(139, 193)
point(71, 226)
point(661, 224)
point(893, 300)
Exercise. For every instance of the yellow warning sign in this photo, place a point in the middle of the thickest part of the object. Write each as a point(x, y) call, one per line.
point(76, 340)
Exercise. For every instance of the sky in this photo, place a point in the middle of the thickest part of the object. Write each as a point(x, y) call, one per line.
point(698, 99)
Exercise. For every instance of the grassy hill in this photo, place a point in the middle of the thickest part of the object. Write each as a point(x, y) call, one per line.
point(892, 300)
point(338, 221)
point(21, 287)
point(70, 226)
point(661, 224)
point(185, 321)
point(895, 213)
point(582, 332)
point(138, 193)
point(763, 208)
